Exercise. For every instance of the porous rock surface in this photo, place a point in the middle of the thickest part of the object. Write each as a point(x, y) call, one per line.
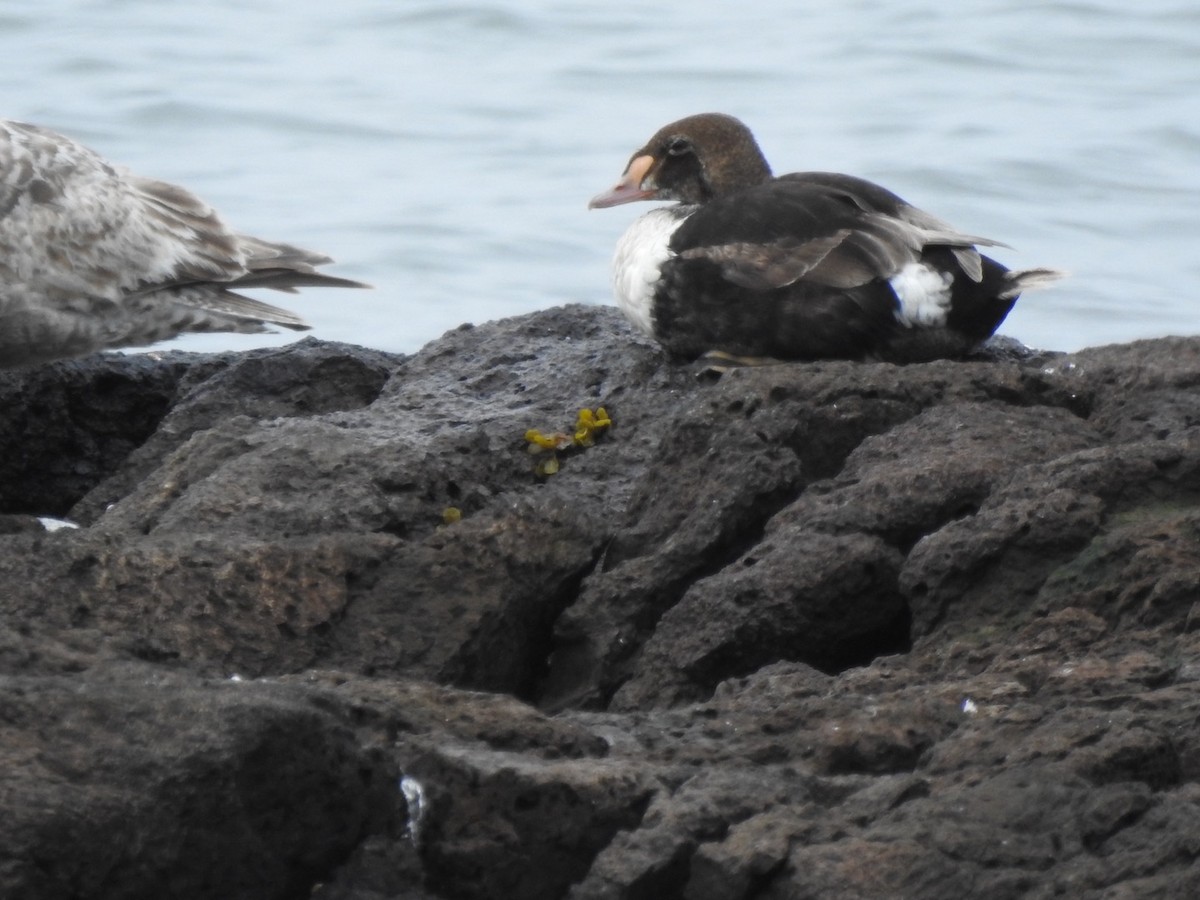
point(831, 630)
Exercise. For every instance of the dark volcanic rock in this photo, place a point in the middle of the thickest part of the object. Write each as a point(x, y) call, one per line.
point(68, 425)
point(138, 783)
point(822, 631)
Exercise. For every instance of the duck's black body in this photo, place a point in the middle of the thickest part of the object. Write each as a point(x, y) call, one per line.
point(804, 266)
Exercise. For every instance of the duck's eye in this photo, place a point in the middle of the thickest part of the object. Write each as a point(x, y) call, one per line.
point(679, 146)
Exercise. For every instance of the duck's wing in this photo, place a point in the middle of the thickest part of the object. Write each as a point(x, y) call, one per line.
point(928, 228)
point(791, 230)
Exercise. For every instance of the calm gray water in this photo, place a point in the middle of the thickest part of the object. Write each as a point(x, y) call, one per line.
point(445, 151)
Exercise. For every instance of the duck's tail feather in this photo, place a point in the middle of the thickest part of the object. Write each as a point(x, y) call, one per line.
point(1018, 281)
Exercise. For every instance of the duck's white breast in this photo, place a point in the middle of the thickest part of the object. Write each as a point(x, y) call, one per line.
point(638, 260)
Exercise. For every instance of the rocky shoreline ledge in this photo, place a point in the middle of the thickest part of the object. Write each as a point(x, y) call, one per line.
point(831, 630)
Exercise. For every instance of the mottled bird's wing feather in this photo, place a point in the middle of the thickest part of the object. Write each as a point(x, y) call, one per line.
point(93, 256)
point(226, 310)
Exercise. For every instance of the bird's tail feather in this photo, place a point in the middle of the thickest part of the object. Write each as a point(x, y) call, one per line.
point(1020, 280)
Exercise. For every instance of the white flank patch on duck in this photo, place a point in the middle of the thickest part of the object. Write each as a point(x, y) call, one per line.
point(637, 264)
point(924, 295)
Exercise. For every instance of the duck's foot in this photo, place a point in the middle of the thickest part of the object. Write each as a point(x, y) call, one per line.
point(716, 363)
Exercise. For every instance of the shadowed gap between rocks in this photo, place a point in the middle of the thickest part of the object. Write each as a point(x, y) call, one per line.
point(68, 426)
point(570, 660)
point(538, 633)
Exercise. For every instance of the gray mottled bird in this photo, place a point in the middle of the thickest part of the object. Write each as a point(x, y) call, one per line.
point(93, 257)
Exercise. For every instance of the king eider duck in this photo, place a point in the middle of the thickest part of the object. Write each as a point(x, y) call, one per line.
point(93, 257)
point(812, 265)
